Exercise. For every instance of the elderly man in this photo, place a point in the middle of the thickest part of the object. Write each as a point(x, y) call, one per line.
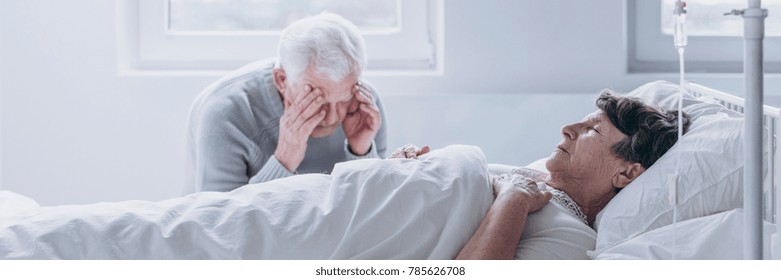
point(302, 112)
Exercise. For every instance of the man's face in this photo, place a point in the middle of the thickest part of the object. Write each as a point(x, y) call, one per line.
point(338, 98)
point(584, 159)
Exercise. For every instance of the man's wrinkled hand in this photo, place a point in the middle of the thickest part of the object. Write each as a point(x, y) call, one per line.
point(362, 121)
point(300, 118)
point(410, 151)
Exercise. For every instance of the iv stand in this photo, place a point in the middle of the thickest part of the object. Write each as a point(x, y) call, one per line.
point(753, 34)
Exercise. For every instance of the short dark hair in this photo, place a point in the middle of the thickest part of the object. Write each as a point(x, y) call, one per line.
point(649, 131)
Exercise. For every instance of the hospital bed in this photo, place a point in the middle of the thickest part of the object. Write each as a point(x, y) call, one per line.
point(427, 208)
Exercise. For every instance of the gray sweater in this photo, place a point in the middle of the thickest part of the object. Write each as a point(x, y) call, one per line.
point(234, 128)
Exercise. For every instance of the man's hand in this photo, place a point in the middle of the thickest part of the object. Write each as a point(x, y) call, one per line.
point(301, 117)
point(410, 151)
point(362, 121)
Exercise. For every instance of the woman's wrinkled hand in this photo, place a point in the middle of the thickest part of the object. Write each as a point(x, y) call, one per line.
point(533, 194)
point(410, 151)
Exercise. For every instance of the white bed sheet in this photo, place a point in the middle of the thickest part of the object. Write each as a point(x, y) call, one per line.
point(366, 209)
point(717, 236)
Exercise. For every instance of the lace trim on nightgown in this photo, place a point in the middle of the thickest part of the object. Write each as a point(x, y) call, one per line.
point(558, 196)
point(564, 200)
point(524, 175)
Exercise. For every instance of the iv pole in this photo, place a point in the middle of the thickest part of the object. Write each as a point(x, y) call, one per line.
point(753, 34)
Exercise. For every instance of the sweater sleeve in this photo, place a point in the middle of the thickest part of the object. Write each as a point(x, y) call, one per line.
point(350, 156)
point(381, 139)
point(270, 171)
point(221, 146)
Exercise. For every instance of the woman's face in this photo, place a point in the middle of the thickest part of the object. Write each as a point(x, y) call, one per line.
point(583, 164)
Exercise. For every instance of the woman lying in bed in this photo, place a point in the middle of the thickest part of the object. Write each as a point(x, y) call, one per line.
point(596, 158)
point(443, 206)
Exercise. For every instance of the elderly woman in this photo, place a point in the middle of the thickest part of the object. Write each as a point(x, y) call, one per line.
point(597, 157)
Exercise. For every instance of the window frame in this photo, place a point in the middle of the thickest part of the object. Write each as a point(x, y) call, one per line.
point(146, 46)
point(649, 50)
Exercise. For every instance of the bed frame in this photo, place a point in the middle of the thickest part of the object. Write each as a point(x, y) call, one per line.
point(771, 192)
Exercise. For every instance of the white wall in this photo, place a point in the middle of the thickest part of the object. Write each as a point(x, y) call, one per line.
point(2, 74)
point(74, 132)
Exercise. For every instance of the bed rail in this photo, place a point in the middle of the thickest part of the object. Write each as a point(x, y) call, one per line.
point(771, 192)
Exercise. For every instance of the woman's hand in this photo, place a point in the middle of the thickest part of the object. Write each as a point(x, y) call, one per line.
point(500, 231)
point(410, 151)
point(530, 193)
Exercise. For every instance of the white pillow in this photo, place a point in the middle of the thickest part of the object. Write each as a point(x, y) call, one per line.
point(711, 168)
point(496, 169)
point(12, 203)
point(664, 94)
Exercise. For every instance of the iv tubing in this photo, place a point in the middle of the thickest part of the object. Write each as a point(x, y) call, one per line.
point(680, 41)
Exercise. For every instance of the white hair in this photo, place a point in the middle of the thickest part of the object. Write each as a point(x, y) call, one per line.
point(329, 42)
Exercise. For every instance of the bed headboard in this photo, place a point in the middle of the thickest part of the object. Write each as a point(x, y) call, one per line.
point(771, 118)
point(771, 192)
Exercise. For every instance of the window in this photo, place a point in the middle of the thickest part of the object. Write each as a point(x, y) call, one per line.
point(708, 20)
point(715, 42)
point(269, 17)
point(215, 36)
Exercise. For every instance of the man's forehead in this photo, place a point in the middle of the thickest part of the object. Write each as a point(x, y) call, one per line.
point(315, 75)
point(333, 89)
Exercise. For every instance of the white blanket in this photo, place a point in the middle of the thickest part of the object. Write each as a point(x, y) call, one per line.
point(366, 209)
